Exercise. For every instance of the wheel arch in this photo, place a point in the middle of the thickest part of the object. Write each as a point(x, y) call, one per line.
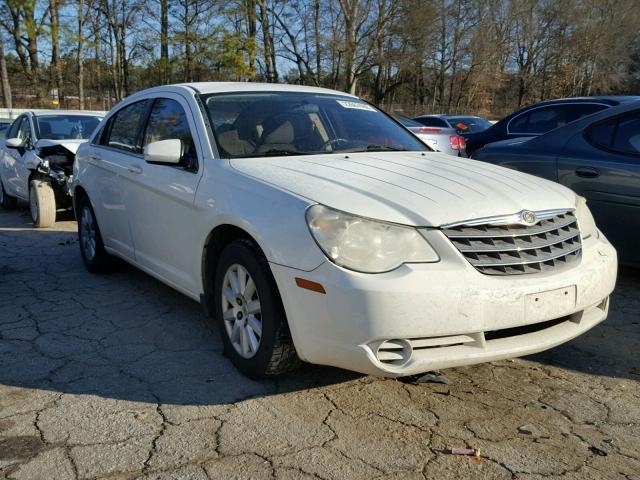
point(219, 238)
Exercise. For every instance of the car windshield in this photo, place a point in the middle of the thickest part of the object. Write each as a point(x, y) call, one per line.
point(469, 124)
point(66, 127)
point(266, 124)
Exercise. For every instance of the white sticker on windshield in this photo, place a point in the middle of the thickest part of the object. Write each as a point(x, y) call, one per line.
point(356, 105)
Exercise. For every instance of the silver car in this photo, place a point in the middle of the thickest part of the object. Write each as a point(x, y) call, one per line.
point(445, 140)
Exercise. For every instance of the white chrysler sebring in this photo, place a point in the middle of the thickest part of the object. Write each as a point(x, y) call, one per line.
point(313, 226)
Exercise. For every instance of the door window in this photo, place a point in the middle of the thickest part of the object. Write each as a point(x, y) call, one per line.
point(24, 131)
point(124, 126)
point(627, 136)
point(620, 134)
point(168, 121)
point(15, 126)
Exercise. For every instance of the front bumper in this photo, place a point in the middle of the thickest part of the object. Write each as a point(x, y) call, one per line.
point(423, 317)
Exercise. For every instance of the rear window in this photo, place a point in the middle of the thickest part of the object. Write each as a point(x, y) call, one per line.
point(469, 124)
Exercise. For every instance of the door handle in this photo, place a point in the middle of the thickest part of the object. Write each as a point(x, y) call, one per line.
point(587, 172)
point(95, 157)
point(135, 169)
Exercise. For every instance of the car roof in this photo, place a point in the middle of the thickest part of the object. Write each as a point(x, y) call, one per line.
point(49, 113)
point(610, 99)
point(229, 87)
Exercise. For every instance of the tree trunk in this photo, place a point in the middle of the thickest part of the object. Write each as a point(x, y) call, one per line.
point(80, 55)
point(56, 68)
point(165, 74)
point(6, 86)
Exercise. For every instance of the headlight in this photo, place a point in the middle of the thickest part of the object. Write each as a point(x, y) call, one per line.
point(365, 245)
point(586, 223)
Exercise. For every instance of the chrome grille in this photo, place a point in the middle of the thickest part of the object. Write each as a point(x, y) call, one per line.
point(498, 247)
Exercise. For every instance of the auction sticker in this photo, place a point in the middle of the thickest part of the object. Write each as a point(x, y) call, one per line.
point(356, 105)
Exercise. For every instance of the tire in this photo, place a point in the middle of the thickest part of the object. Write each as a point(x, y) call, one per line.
point(7, 202)
point(239, 316)
point(42, 203)
point(94, 256)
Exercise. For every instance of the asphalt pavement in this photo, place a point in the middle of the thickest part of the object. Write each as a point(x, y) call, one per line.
point(119, 377)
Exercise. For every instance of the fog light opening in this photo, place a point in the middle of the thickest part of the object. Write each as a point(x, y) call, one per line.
point(396, 352)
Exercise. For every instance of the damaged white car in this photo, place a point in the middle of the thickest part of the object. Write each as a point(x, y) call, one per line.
point(37, 160)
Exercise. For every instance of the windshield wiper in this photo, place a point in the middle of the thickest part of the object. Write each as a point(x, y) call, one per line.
point(274, 152)
point(377, 148)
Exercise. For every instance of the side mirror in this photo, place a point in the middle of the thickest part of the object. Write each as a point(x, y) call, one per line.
point(164, 151)
point(14, 143)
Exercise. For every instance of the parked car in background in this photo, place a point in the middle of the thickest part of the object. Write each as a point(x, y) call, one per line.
point(461, 123)
point(37, 160)
point(541, 118)
point(445, 140)
point(311, 225)
point(599, 158)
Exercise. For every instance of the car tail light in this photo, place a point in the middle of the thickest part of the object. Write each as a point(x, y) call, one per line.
point(428, 130)
point(457, 142)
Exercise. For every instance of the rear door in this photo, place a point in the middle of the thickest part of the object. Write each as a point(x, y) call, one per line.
point(112, 154)
point(162, 210)
point(603, 165)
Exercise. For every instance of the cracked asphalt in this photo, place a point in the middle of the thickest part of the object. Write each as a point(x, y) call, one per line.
point(119, 377)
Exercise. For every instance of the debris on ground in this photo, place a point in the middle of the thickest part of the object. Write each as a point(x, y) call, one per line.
point(526, 429)
point(472, 452)
point(598, 451)
point(429, 377)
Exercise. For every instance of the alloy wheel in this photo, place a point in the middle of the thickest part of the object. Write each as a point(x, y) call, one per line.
point(88, 233)
point(241, 311)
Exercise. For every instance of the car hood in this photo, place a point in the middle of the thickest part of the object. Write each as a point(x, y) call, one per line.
point(71, 145)
point(409, 188)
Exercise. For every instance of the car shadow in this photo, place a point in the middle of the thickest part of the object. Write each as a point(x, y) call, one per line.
point(123, 335)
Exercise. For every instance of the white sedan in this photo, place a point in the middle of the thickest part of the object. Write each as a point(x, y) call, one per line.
point(312, 226)
point(37, 160)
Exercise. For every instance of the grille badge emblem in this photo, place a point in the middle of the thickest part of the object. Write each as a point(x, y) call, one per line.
point(527, 217)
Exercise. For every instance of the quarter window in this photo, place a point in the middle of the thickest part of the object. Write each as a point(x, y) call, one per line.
point(168, 121)
point(122, 132)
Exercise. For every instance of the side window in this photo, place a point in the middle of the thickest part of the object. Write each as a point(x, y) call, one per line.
point(627, 135)
point(580, 110)
point(602, 133)
point(519, 124)
point(122, 131)
point(24, 131)
point(15, 126)
point(168, 120)
point(544, 119)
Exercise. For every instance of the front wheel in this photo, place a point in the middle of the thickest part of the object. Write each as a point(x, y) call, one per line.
point(94, 256)
point(42, 203)
point(250, 314)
